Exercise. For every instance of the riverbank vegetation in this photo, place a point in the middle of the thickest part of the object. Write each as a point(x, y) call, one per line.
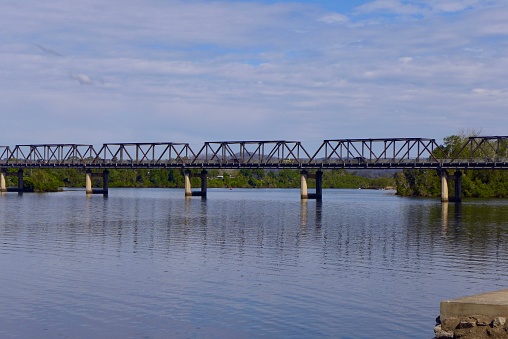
point(48, 180)
point(475, 183)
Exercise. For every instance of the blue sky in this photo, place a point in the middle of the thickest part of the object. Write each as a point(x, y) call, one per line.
point(194, 71)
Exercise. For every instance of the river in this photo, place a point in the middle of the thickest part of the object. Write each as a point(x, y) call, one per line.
point(148, 263)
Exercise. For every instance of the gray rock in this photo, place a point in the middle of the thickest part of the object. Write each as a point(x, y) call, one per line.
point(442, 334)
point(482, 320)
point(449, 324)
point(467, 323)
point(498, 322)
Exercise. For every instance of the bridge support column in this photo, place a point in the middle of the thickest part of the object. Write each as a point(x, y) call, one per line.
point(3, 186)
point(188, 189)
point(20, 181)
point(3, 182)
point(105, 183)
point(88, 182)
point(458, 186)
point(457, 178)
point(319, 185)
point(304, 194)
point(204, 184)
point(444, 185)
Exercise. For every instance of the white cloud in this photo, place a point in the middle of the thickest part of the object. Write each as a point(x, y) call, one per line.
point(334, 18)
point(233, 70)
point(489, 92)
point(83, 79)
point(422, 7)
point(453, 6)
point(392, 6)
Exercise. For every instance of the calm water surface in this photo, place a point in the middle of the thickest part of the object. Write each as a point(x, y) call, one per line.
point(241, 264)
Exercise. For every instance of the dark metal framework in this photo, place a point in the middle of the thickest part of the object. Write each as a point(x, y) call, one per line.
point(488, 152)
point(278, 153)
point(47, 155)
point(378, 153)
point(155, 154)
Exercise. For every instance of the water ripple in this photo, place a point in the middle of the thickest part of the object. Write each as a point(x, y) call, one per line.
point(241, 264)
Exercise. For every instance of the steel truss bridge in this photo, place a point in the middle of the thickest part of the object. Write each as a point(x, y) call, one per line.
point(486, 152)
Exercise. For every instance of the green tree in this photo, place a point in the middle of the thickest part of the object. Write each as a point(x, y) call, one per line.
point(475, 183)
point(41, 180)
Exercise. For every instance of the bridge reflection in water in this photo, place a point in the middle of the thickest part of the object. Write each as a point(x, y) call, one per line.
point(487, 152)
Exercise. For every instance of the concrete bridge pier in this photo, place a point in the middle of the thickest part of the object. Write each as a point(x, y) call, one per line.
point(444, 185)
point(204, 182)
point(3, 185)
point(20, 181)
point(105, 182)
point(188, 187)
point(88, 182)
point(304, 194)
point(319, 185)
point(458, 186)
point(457, 178)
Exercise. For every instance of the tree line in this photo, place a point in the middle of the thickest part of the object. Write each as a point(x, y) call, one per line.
point(475, 183)
point(49, 180)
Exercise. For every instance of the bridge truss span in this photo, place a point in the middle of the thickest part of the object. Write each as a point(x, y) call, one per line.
point(251, 154)
point(378, 153)
point(47, 155)
point(489, 152)
point(480, 152)
point(155, 154)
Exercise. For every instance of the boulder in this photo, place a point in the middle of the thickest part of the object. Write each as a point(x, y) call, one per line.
point(498, 322)
point(442, 334)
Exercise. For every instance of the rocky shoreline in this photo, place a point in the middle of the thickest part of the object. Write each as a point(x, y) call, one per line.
point(472, 327)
